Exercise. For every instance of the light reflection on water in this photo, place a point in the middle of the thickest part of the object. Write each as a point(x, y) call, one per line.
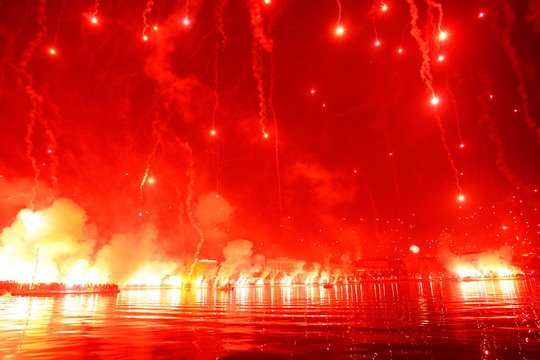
point(432, 320)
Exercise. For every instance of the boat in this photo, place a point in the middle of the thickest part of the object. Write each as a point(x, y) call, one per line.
point(58, 289)
point(226, 287)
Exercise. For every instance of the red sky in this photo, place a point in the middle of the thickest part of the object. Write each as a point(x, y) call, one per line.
point(359, 167)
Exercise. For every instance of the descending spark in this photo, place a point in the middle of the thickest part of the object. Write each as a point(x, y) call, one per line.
point(432, 4)
point(427, 78)
point(339, 28)
point(220, 45)
point(94, 18)
point(441, 35)
point(425, 70)
point(374, 11)
point(37, 106)
point(186, 20)
point(260, 42)
point(451, 160)
point(276, 138)
point(391, 156)
point(456, 113)
point(512, 55)
point(146, 11)
point(158, 128)
point(189, 209)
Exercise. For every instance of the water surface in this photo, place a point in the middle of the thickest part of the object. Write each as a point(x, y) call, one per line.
point(498, 319)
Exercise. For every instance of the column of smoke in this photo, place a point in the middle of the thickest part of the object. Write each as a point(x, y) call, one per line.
point(239, 262)
point(487, 263)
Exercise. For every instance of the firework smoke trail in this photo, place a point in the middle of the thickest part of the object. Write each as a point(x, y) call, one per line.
point(425, 70)
point(220, 46)
point(338, 23)
point(449, 154)
point(146, 11)
point(263, 42)
point(427, 78)
point(189, 209)
point(260, 43)
point(96, 7)
point(276, 137)
point(374, 10)
point(455, 108)
point(432, 4)
point(220, 10)
point(500, 157)
point(512, 56)
point(36, 112)
point(158, 128)
point(441, 35)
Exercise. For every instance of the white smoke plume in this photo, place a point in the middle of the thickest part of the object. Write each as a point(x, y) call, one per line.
point(239, 261)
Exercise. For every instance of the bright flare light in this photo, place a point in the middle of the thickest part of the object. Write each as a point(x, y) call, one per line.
point(52, 51)
point(186, 21)
point(377, 43)
point(461, 198)
point(213, 132)
point(435, 100)
point(32, 221)
point(340, 30)
point(415, 249)
point(440, 58)
point(384, 7)
point(443, 35)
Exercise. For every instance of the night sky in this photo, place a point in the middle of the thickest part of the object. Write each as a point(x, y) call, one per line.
point(357, 161)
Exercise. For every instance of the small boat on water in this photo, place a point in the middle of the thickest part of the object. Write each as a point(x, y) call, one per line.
point(226, 287)
point(56, 289)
